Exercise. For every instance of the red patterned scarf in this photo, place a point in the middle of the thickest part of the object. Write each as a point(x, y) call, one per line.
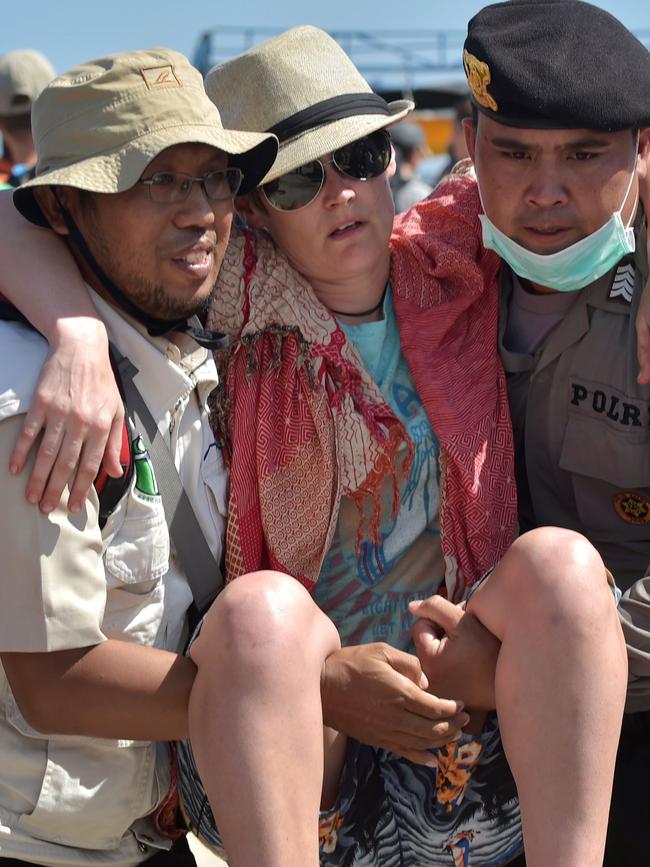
point(305, 424)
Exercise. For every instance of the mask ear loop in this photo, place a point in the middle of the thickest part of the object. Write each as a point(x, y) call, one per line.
point(631, 181)
point(480, 195)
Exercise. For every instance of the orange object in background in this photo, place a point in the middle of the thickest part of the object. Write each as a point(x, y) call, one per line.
point(437, 126)
point(5, 170)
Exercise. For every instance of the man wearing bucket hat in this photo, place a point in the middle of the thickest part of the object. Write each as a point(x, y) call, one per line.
point(137, 171)
point(319, 439)
point(23, 75)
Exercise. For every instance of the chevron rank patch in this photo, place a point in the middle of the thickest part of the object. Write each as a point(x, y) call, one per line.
point(623, 285)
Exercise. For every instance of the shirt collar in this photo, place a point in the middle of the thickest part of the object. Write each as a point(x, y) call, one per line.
point(167, 369)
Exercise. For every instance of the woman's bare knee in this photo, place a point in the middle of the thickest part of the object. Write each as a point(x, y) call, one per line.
point(262, 616)
point(553, 560)
point(549, 572)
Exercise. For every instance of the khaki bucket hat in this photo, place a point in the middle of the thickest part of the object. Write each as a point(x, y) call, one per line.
point(23, 75)
point(303, 87)
point(98, 126)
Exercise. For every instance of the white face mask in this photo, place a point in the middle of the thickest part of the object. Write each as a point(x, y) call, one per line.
point(577, 265)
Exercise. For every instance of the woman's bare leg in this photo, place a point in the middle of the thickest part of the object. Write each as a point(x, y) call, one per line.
point(256, 723)
point(560, 688)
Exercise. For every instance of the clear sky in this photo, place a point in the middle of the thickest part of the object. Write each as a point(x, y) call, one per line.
point(70, 31)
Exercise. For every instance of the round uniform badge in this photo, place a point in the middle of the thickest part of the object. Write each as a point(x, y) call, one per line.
point(632, 508)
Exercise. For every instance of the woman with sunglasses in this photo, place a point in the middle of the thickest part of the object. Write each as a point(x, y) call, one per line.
point(365, 421)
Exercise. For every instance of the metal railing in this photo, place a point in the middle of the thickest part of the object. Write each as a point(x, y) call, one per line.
point(419, 63)
point(400, 59)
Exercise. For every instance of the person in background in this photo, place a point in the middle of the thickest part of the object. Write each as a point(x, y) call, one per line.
point(23, 75)
point(410, 148)
point(457, 149)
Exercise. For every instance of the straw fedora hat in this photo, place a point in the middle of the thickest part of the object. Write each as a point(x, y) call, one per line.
point(98, 126)
point(303, 87)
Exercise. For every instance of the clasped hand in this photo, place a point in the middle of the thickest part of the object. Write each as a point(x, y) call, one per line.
point(457, 653)
point(378, 695)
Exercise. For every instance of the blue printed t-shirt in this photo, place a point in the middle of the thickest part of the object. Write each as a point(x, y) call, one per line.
point(367, 598)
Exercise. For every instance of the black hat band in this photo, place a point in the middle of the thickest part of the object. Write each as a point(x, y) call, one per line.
point(329, 110)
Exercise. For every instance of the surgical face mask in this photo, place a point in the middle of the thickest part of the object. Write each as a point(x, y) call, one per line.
point(577, 265)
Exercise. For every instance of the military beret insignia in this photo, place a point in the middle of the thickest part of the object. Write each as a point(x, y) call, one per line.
point(478, 78)
point(632, 508)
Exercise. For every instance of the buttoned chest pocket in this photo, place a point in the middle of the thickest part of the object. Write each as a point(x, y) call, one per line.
point(610, 473)
point(136, 558)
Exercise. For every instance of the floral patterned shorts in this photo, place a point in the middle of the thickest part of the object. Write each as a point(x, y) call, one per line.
point(392, 813)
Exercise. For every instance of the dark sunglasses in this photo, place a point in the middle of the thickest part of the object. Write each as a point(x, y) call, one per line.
point(365, 158)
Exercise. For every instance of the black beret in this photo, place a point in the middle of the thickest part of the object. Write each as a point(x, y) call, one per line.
point(558, 64)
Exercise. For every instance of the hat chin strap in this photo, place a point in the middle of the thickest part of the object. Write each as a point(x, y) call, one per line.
point(156, 327)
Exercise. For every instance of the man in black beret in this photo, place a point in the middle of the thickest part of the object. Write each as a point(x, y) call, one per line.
point(559, 139)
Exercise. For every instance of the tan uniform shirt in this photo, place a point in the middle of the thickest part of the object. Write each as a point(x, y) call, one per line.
point(582, 434)
point(63, 584)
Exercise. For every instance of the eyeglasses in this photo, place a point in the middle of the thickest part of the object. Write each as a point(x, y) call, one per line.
point(170, 188)
point(365, 158)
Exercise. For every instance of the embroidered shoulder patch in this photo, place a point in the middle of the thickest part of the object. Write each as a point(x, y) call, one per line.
point(632, 508)
point(478, 78)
